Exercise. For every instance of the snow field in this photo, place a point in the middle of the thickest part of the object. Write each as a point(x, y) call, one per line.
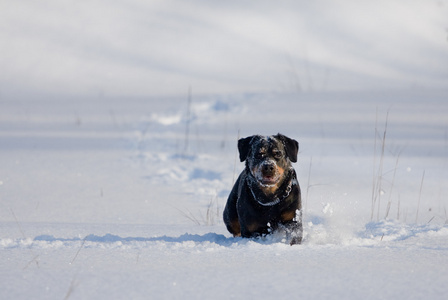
point(103, 199)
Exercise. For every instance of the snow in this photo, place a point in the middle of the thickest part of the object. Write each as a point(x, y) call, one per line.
point(112, 184)
point(103, 206)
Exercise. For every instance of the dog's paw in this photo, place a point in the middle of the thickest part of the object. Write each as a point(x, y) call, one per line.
point(296, 241)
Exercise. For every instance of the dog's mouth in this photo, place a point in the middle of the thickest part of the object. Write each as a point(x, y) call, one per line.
point(268, 179)
point(267, 174)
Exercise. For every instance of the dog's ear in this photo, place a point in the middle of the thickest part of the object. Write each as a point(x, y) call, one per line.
point(291, 147)
point(244, 147)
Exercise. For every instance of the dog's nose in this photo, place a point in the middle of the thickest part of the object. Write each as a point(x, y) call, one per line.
point(268, 167)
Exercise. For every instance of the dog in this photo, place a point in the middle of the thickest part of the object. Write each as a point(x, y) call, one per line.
point(266, 196)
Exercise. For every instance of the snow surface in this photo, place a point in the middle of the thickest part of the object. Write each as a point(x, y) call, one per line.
point(103, 198)
point(112, 185)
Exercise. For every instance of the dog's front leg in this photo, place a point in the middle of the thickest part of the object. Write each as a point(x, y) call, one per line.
point(295, 232)
point(294, 229)
point(253, 228)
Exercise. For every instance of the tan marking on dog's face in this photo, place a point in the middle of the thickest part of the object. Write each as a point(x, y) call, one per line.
point(269, 188)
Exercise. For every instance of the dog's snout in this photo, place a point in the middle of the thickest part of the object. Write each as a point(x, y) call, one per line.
point(268, 167)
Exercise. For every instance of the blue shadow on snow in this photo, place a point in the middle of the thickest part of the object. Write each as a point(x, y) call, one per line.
point(208, 237)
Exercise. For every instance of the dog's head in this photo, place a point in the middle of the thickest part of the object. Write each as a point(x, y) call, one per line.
point(268, 157)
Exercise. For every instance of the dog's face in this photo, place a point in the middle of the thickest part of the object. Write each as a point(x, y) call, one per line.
point(268, 158)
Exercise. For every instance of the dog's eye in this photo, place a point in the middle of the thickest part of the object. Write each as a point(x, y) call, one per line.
point(260, 155)
point(277, 154)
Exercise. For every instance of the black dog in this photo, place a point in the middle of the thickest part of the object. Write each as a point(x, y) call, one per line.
point(266, 196)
